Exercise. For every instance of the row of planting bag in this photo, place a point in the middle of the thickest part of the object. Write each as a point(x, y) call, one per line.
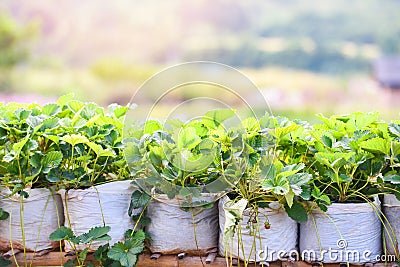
point(343, 230)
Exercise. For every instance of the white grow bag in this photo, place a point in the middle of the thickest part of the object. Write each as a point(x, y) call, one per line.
point(85, 208)
point(352, 232)
point(42, 215)
point(174, 230)
point(391, 209)
point(267, 245)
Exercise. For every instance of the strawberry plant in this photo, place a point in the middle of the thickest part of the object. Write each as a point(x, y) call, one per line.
point(271, 165)
point(68, 143)
point(123, 253)
point(66, 234)
point(183, 159)
point(343, 159)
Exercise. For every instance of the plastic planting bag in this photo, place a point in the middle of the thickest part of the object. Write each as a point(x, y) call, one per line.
point(104, 204)
point(347, 232)
point(42, 214)
point(257, 243)
point(391, 209)
point(173, 229)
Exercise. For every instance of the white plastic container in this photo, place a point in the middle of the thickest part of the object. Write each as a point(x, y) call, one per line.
point(106, 203)
point(347, 232)
point(42, 214)
point(174, 230)
point(267, 245)
point(391, 209)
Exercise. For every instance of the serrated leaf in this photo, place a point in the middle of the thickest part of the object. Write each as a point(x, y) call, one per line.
point(75, 105)
point(49, 123)
point(297, 181)
point(17, 147)
point(117, 110)
point(188, 138)
point(392, 178)
point(139, 199)
point(214, 118)
point(151, 126)
point(75, 139)
point(326, 140)
point(297, 212)
point(126, 253)
point(280, 132)
point(62, 233)
point(54, 138)
point(51, 160)
point(51, 109)
point(63, 100)
point(9, 157)
point(289, 198)
point(99, 233)
point(377, 145)
point(132, 153)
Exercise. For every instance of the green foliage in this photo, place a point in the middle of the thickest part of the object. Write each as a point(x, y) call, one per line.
point(94, 234)
point(181, 157)
point(67, 144)
point(3, 214)
point(347, 156)
point(126, 252)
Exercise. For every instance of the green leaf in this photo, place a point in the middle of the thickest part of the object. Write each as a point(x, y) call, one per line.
point(151, 126)
point(394, 129)
point(99, 233)
point(17, 147)
point(280, 132)
point(297, 212)
point(392, 178)
point(4, 262)
point(297, 181)
point(139, 199)
point(279, 186)
point(69, 263)
point(289, 198)
point(214, 118)
point(132, 153)
point(83, 254)
point(63, 100)
point(126, 253)
point(51, 109)
point(344, 178)
point(156, 156)
point(62, 233)
point(188, 138)
point(3, 214)
point(9, 157)
point(327, 141)
point(100, 152)
point(377, 145)
point(75, 105)
point(49, 123)
point(34, 121)
point(51, 160)
point(75, 139)
point(251, 124)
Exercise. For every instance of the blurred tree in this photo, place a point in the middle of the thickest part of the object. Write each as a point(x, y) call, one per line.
point(15, 44)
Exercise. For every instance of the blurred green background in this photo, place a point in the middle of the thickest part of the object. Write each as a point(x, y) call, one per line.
point(305, 56)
